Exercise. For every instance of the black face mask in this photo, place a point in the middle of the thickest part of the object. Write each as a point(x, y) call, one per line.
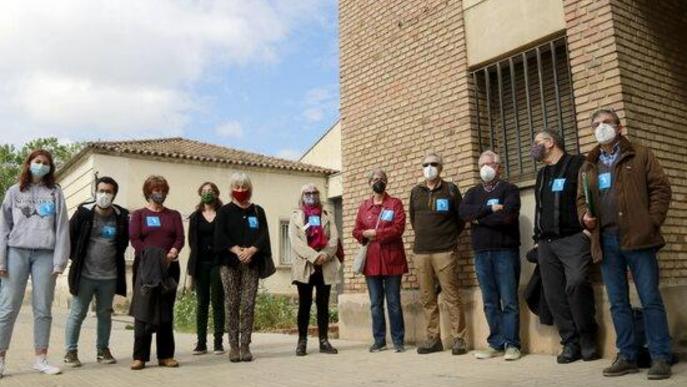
point(379, 187)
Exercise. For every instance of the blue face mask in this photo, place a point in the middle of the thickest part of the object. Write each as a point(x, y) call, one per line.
point(39, 170)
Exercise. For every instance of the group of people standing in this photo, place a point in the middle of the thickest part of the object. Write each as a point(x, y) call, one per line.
point(607, 207)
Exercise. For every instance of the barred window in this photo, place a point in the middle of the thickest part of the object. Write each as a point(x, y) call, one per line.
point(284, 243)
point(518, 96)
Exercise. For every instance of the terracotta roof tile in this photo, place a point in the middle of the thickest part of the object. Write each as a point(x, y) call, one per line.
point(182, 148)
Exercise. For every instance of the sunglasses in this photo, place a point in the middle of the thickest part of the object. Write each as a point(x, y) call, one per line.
point(311, 193)
point(434, 164)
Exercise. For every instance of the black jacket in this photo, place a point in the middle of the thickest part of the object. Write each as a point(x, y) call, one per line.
point(560, 220)
point(155, 287)
point(193, 241)
point(236, 226)
point(80, 233)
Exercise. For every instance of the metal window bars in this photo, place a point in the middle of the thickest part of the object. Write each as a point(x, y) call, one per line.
point(515, 97)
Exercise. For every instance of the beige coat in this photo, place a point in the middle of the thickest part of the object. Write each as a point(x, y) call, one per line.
point(304, 256)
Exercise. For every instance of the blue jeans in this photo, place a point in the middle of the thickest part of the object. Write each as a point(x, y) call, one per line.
point(379, 287)
point(20, 264)
point(644, 268)
point(104, 292)
point(498, 272)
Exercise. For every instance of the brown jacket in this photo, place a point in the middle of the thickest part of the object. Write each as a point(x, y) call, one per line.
point(304, 256)
point(643, 197)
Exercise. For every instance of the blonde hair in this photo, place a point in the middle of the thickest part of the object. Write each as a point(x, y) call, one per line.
point(241, 179)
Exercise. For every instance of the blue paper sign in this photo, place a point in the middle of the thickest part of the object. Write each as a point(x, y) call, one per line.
point(558, 185)
point(492, 202)
point(108, 232)
point(605, 180)
point(387, 215)
point(253, 222)
point(153, 221)
point(314, 220)
point(46, 209)
point(442, 205)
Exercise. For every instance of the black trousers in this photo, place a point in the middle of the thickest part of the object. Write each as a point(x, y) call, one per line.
point(565, 264)
point(209, 289)
point(143, 338)
point(305, 302)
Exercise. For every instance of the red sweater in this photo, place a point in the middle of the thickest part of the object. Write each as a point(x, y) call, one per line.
point(386, 254)
point(162, 229)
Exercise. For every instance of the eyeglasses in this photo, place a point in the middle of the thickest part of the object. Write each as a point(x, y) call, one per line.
point(434, 164)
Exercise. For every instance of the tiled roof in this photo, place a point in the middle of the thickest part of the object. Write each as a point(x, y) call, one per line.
point(185, 149)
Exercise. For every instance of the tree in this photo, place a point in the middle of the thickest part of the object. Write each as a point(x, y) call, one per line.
point(11, 158)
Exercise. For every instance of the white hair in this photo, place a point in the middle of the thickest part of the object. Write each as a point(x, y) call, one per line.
point(489, 154)
point(241, 179)
point(304, 189)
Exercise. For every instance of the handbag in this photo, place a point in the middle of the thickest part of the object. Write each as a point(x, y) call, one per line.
point(361, 256)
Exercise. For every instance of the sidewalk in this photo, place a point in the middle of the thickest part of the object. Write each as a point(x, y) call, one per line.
point(276, 365)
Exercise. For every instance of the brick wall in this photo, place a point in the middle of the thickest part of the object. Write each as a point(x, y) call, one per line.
point(651, 38)
point(404, 91)
point(632, 56)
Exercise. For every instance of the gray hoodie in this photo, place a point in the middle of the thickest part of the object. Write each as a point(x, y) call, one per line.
point(35, 219)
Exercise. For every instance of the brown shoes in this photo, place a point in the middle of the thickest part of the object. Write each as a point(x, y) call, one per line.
point(138, 365)
point(171, 363)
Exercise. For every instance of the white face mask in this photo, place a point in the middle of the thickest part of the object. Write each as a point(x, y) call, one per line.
point(605, 133)
point(430, 172)
point(487, 173)
point(103, 200)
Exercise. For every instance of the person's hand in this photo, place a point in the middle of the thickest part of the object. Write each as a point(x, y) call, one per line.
point(370, 234)
point(3, 273)
point(496, 207)
point(320, 260)
point(56, 272)
point(236, 250)
point(247, 253)
point(589, 221)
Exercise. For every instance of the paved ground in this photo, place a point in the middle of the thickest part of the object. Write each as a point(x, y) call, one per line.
point(276, 365)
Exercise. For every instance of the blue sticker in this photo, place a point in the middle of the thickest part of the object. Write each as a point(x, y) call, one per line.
point(46, 209)
point(153, 221)
point(314, 220)
point(253, 222)
point(492, 202)
point(108, 232)
point(442, 205)
point(605, 180)
point(558, 185)
point(387, 215)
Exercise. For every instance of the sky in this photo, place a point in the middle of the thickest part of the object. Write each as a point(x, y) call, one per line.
point(258, 75)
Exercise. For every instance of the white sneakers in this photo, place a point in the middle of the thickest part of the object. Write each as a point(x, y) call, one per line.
point(511, 353)
point(488, 353)
point(41, 365)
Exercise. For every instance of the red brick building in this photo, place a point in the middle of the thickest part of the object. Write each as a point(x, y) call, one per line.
point(458, 77)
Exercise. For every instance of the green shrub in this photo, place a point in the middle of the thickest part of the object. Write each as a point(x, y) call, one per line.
point(272, 312)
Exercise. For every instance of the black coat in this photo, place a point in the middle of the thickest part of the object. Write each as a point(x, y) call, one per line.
point(80, 226)
point(193, 241)
point(155, 286)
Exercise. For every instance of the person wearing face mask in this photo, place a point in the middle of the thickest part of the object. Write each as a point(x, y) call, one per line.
point(242, 243)
point(632, 194)
point(34, 241)
point(314, 240)
point(492, 208)
point(99, 234)
point(155, 228)
point(563, 249)
point(202, 266)
point(380, 224)
point(434, 216)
